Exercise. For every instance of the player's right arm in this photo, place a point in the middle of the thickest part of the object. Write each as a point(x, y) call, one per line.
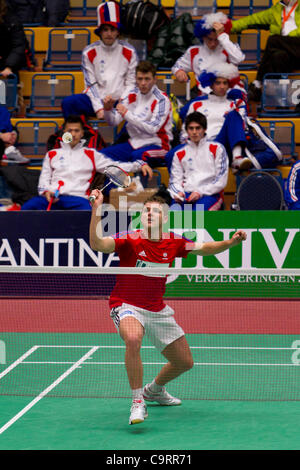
point(97, 241)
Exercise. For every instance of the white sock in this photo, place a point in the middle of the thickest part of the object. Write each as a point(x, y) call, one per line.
point(237, 151)
point(257, 83)
point(154, 387)
point(137, 394)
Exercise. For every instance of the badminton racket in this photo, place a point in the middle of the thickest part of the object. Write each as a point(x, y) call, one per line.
point(117, 176)
point(56, 194)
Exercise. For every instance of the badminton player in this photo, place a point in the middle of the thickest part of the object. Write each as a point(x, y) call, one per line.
point(136, 302)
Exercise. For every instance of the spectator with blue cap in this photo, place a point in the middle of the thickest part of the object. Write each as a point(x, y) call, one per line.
point(228, 123)
point(215, 47)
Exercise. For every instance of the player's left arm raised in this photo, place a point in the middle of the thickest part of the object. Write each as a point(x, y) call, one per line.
point(213, 248)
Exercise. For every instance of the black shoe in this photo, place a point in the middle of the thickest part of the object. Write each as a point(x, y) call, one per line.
point(254, 93)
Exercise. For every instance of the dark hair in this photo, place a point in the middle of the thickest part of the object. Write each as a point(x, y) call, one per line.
point(99, 30)
point(73, 119)
point(164, 194)
point(162, 197)
point(199, 118)
point(155, 198)
point(144, 66)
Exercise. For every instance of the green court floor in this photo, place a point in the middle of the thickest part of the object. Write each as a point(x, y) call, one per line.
point(242, 394)
point(102, 424)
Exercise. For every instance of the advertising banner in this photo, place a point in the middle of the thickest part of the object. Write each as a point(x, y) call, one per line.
point(61, 238)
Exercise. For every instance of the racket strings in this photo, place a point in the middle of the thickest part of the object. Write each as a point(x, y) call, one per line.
point(118, 176)
point(115, 175)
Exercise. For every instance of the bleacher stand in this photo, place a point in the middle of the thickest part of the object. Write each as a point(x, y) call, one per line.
point(195, 8)
point(44, 115)
point(240, 8)
point(48, 91)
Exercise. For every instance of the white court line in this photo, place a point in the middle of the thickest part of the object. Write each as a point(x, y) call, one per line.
point(163, 363)
point(18, 361)
point(153, 347)
point(47, 390)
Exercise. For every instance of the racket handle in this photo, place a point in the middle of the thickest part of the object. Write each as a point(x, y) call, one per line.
point(93, 198)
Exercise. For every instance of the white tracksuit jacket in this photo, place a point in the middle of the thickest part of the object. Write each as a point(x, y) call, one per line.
point(76, 168)
point(202, 168)
point(108, 70)
point(199, 58)
point(149, 118)
point(215, 109)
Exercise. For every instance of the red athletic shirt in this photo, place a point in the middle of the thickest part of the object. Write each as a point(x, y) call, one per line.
point(136, 250)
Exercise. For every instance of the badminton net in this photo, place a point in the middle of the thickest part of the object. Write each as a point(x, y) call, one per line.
point(243, 327)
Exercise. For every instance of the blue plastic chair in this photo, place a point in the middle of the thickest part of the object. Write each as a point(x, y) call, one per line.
point(48, 90)
point(167, 83)
point(65, 48)
point(239, 8)
point(9, 87)
point(33, 137)
point(282, 132)
point(260, 190)
point(250, 45)
point(196, 8)
point(84, 14)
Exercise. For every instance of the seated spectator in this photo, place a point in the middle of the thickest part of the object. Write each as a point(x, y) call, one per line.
point(75, 165)
point(215, 48)
point(8, 139)
point(199, 169)
point(92, 137)
point(282, 51)
point(292, 190)
point(108, 67)
point(147, 112)
point(12, 42)
point(228, 123)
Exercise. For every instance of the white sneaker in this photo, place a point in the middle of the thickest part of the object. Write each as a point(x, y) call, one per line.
point(138, 412)
point(13, 155)
point(162, 397)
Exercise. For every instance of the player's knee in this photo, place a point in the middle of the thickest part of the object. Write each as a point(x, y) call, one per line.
point(188, 364)
point(184, 364)
point(133, 342)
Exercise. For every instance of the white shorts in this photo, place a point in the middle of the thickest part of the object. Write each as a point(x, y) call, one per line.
point(160, 327)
